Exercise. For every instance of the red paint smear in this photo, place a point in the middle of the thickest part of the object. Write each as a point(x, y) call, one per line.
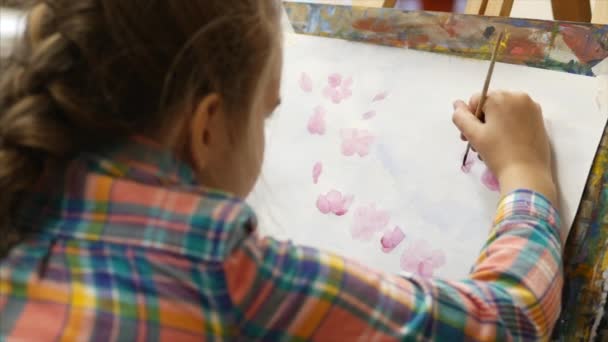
point(373, 24)
point(523, 50)
point(586, 47)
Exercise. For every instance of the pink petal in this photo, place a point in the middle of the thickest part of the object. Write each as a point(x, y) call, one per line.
point(438, 258)
point(468, 164)
point(425, 269)
point(316, 172)
point(348, 82)
point(336, 97)
point(348, 148)
point(380, 96)
point(369, 115)
point(490, 181)
point(335, 80)
point(334, 196)
point(392, 239)
point(346, 93)
point(347, 201)
point(305, 82)
point(323, 204)
point(316, 124)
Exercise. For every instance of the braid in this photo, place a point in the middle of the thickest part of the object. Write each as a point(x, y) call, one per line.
point(32, 130)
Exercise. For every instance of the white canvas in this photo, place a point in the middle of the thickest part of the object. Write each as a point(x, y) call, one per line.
point(412, 172)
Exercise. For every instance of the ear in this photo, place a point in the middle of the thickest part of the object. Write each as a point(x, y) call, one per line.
point(202, 124)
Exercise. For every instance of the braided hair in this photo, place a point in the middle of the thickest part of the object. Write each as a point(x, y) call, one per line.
point(90, 73)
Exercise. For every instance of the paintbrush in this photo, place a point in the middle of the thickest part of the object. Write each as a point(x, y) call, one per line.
point(484, 93)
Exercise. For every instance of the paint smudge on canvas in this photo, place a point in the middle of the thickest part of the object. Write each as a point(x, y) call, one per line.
point(334, 202)
point(420, 258)
point(380, 96)
point(368, 221)
point(317, 169)
point(305, 83)
point(369, 115)
point(391, 239)
point(316, 123)
point(356, 141)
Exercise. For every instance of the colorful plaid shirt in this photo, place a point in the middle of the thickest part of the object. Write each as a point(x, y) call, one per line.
point(129, 248)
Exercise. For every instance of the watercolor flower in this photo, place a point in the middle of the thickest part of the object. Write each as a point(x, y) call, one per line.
point(316, 123)
point(316, 172)
point(355, 141)
point(391, 239)
point(334, 202)
point(490, 181)
point(338, 89)
point(305, 82)
point(368, 221)
point(421, 259)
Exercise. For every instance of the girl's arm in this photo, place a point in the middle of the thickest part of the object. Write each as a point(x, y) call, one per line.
point(287, 292)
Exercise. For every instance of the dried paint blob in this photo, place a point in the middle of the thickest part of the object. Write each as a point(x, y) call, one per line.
point(490, 181)
point(421, 259)
point(356, 141)
point(316, 123)
point(391, 239)
point(305, 82)
point(380, 96)
point(316, 172)
point(338, 88)
point(334, 202)
point(368, 221)
point(369, 115)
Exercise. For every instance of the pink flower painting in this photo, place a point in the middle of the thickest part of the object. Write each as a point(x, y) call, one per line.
point(391, 239)
point(334, 202)
point(368, 221)
point(316, 123)
point(305, 83)
point(356, 141)
point(338, 89)
point(421, 259)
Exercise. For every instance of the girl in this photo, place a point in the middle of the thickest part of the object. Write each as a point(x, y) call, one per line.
point(131, 130)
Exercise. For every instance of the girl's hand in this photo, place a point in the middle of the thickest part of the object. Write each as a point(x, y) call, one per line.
point(512, 140)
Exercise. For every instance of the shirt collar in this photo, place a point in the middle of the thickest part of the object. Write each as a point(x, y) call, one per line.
point(143, 160)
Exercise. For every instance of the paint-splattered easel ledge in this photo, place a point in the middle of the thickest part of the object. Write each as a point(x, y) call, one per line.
point(570, 47)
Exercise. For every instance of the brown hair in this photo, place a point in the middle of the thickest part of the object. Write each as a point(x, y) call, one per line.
point(92, 72)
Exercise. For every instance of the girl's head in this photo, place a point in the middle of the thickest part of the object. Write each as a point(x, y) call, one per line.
point(198, 76)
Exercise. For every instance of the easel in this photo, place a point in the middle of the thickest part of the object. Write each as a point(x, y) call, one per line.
point(568, 10)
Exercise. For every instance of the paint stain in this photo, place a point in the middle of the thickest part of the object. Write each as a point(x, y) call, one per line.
point(490, 181)
point(489, 31)
point(391, 239)
point(305, 83)
point(316, 172)
point(586, 47)
point(380, 96)
point(316, 123)
point(420, 258)
point(373, 24)
point(368, 221)
point(334, 202)
point(369, 115)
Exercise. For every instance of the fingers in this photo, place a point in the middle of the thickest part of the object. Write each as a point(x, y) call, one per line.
point(467, 123)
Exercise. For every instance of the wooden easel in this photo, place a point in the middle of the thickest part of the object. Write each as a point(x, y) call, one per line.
point(569, 10)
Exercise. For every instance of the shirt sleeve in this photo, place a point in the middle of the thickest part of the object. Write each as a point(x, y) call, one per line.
point(285, 292)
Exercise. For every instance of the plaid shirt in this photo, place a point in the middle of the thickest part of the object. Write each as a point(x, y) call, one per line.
point(129, 248)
